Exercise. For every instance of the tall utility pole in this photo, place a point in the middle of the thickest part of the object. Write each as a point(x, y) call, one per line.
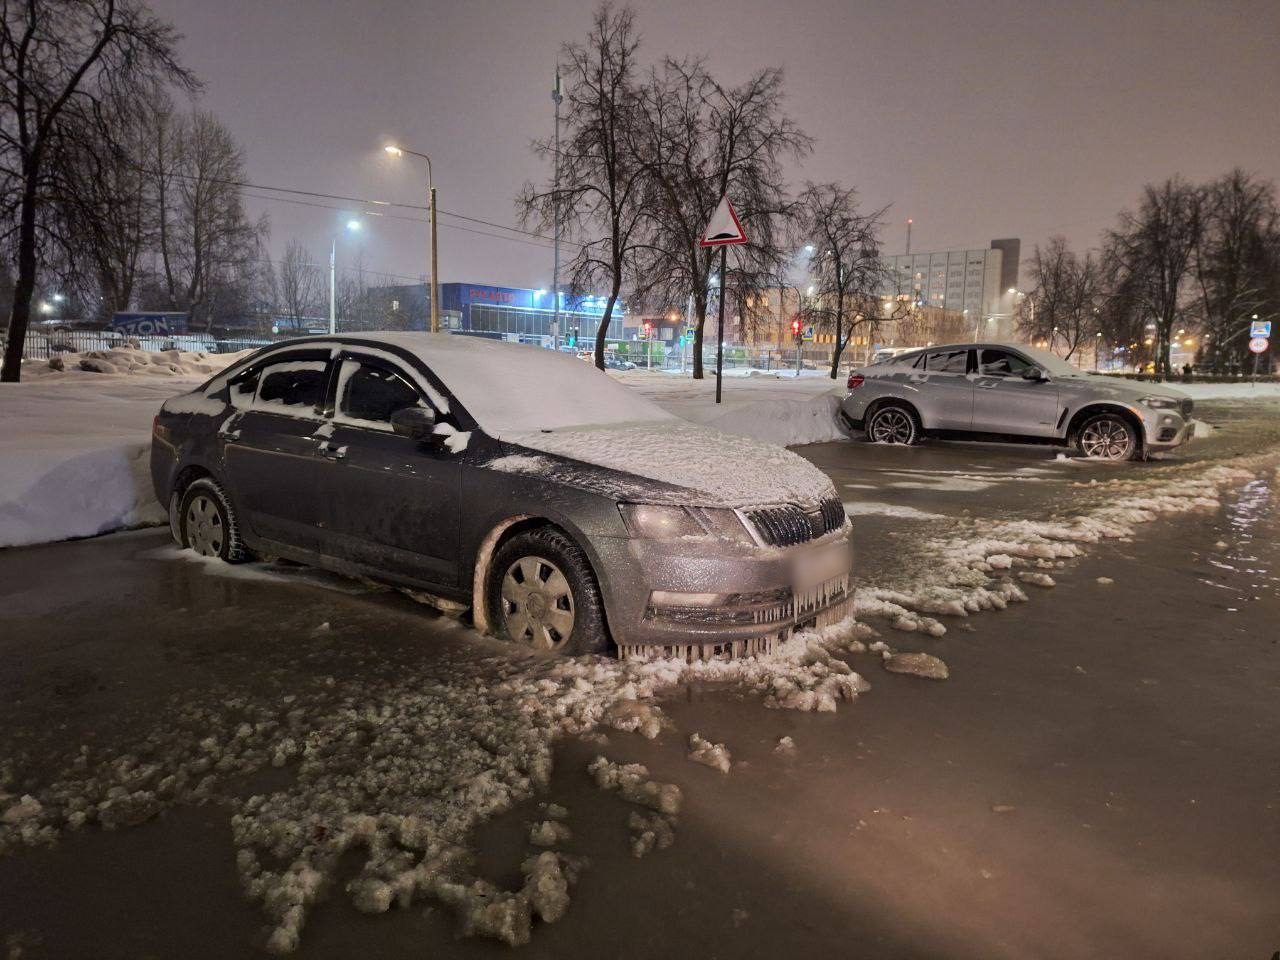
point(555, 262)
point(908, 236)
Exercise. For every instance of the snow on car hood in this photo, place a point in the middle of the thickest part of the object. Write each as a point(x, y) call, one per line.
point(718, 469)
point(1119, 389)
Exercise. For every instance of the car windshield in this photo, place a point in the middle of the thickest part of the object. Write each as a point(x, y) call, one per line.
point(1050, 361)
point(514, 388)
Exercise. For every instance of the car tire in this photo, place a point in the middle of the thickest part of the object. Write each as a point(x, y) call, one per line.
point(207, 522)
point(1108, 436)
point(543, 594)
point(893, 423)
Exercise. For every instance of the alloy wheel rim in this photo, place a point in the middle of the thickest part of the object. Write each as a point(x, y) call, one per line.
point(891, 426)
point(537, 604)
point(205, 532)
point(1106, 440)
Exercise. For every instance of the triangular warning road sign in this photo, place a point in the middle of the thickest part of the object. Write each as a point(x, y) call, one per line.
point(724, 227)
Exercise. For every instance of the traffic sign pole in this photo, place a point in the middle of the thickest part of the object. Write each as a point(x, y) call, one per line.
point(724, 253)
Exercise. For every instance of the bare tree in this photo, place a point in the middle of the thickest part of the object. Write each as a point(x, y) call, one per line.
point(205, 239)
point(602, 186)
point(1237, 264)
point(700, 141)
point(300, 283)
point(1151, 256)
point(846, 265)
point(54, 53)
point(1063, 305)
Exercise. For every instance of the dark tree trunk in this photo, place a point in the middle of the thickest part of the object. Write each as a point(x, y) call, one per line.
point(603, 329)
point(24, 286)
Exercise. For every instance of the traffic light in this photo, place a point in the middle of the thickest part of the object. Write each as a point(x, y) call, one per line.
point(796, 330)
point(647, 329)
point(573, 336)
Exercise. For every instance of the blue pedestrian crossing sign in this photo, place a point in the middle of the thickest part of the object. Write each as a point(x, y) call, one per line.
point(808, 333)
point(1260, 328)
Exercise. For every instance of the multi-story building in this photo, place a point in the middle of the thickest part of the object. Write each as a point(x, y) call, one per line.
point(979, 284)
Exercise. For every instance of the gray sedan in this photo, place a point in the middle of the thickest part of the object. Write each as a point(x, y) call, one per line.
point(1011, 392)
point(567, 511)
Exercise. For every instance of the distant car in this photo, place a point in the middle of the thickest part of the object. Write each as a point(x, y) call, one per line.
point(1011, 392)
point(567, 510)
point(616, 363)
point(888, 353)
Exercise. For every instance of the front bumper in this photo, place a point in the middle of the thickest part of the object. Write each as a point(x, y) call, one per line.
point(708, 593)
point(1165, 429)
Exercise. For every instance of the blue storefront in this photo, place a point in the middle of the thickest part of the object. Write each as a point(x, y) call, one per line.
point(516, 313)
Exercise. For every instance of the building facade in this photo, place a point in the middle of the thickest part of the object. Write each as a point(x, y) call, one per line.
point(513, 313)
point(979, 284)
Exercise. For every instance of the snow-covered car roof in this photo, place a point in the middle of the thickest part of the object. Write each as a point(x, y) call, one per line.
point(517, 388)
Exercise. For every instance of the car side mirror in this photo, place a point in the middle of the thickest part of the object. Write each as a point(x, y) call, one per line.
point(1033, 373)
point(416, 423)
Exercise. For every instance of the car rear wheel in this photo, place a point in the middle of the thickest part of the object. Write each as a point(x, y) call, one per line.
point(207, 523)
point(543, 594)
point(893, 424)
point(1108, 436)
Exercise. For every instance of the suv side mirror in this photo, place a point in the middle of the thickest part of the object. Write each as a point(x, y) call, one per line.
point(1033, 373)
point(416, 423)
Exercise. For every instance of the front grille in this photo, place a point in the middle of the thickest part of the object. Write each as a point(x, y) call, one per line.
point(1187, 406)
point(788, 525)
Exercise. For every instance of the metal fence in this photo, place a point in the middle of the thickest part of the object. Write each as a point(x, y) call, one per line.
point(41, 345)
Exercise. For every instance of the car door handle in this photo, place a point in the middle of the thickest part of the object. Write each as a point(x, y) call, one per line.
point(330, 452)
point(230, 436)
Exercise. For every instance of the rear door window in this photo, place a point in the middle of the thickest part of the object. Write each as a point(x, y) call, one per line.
point(947, 361)
point(1002, 363)
point(292, 384)
point(370, 391)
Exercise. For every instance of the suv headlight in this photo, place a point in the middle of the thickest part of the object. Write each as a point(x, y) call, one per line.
point(648, 521)
point(1161, 403)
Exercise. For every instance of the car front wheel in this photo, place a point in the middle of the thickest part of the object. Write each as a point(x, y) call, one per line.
point(1107, 436)
point(207, 522)
point(543, 594)
point(893, 424)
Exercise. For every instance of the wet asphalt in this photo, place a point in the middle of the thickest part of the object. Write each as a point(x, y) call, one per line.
point(1098, 777)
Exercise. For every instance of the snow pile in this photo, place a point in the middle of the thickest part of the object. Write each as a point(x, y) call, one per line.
point(131, 361)
point(650, 832)
point(713, 755)
point(785, 422)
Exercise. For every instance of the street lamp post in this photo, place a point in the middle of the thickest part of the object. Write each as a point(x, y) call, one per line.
point(395, 151)
point(556, 98)
point(353, 226)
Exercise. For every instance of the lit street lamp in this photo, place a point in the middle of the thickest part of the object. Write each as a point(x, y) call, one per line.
point(395, 151)
point(354, 227)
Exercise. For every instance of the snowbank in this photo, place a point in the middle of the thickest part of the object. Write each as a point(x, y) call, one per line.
point(74, 442)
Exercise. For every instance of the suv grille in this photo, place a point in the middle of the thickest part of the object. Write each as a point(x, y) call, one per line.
point(1187, 407)
point(788, 525)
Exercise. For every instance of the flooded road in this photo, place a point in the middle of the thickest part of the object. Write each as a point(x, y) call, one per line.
point(1098, 776)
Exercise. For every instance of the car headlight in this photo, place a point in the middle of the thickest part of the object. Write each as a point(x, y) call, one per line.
point(1161, 403)
point(648, 521)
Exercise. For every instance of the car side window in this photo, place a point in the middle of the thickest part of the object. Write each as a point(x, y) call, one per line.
point(947, 361)
point(1002, 363)
point(369, 393)
point(290, 386)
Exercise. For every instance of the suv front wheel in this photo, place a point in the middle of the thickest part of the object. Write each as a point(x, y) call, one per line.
point(1108, 436)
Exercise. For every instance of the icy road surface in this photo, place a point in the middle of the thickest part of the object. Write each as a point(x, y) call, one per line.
point(199, 762)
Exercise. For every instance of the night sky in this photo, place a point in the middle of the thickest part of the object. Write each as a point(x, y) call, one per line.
point(979, 120)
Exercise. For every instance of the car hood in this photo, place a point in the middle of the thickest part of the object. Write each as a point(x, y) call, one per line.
point(1114, 388)
point(674, 463)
